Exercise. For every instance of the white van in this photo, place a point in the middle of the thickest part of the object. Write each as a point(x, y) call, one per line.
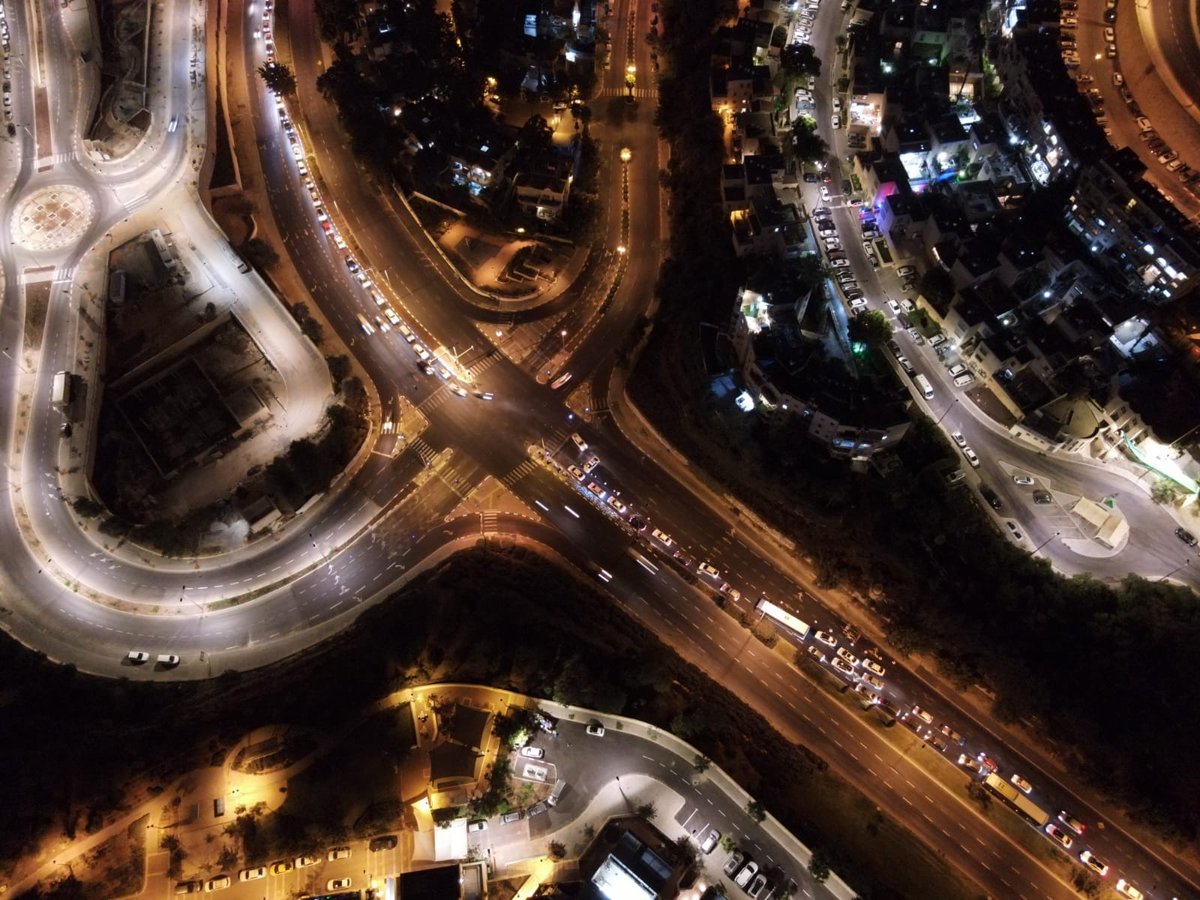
point(556, 793)
point(924, 387)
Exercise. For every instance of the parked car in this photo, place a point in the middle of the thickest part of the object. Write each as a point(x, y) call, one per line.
point(710, 841)
point(748, 871)
point(734, 863)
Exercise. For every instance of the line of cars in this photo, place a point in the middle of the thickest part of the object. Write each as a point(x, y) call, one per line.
point(589, 484)
point(282, 867)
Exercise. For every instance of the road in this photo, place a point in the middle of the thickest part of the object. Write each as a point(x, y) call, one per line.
point(312, 580)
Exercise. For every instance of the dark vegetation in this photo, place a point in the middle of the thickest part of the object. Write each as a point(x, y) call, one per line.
point(467, 621)
point(1066, 655)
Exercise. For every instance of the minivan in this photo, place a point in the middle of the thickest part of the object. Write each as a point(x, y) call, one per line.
point(557, 792)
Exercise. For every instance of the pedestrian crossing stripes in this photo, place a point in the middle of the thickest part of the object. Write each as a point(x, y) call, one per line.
point(640, 93)
point(434, 400)
point(423, 450)
point(483, 365)
point(525, 468)
point(490, 522)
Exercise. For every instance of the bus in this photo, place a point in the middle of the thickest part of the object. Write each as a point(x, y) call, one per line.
point(924, 386)
point(783, 617)
point(60, 392)
point(1017, 800)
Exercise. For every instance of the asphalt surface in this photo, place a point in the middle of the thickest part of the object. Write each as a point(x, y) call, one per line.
point(313, 580)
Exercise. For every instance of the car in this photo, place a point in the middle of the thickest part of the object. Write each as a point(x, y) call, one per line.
point(937, 743)
point(383, 842)
point(189, 887)
point(1148, 136)
point(1014, 531)
point(707, 568)
point(579, 442)
point(477, 825)
point(1021, 783)
point(874, 681)
point(957, 369)
point(1071, 822)
point(951, 733)
point(964, 379)
point(170, 660)
point(826, 638)
point(972, 457)
point(760, 882)
point(392, 315)
point(617, 504)
point(990, 496)
point(1093, 862)
point(1109, 34)
point(337, 884)
point(810, 178)
point(957, 437)
point(1059, 836)
point(1182, 533)
point(1024, 480)
point(1144, 124)
point(836, 121)
point(842, 666)
point(734, 863)
point(253, 874)
point(817, 653)
point(1167, 155)
point(733, 593)
point(1043, 497)
point(922, 714)
point(748, 871)
point(662, 537)
point(576, 472)
point(284, 865)
point(907, 305)
point(907, 366)
point(988, 763)
point(382, 325)
point(596, 489)
point(1125, 889)
point(871, 666)
point(457, 389)
point(218, 884)
point(955, 476)
point(894, 306)
point(338, 853)
point(303, 862)
point(1175, 165)
point(710, 841)
point(840, 263)
point(595, 729)
point(849, 657)
point(137, 657)
point(591, 464)
point(367, 327)
point(968, 762)
point(906, 270)
point(857, 303)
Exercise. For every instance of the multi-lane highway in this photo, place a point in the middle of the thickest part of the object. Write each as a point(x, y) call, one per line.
point(83, 601)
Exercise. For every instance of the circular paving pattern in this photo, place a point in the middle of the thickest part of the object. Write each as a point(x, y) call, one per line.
point(52, 217)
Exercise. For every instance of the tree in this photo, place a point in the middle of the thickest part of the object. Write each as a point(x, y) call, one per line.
point(755, 810)
point(1164, 491)
point(278, 78)
point(227, 858)
point(871, 328)
point(800, 59)
point(339, 369)
point(260, 254)
point(647, 811)
point(557, 850)
point(701, 762)
point(807, 145)
point(818, 866)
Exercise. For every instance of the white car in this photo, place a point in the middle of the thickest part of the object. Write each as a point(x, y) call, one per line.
point(817, 653)
point(591, 464)
point(337, 884)
point(744, 876)
point(849, 657)
point(964, 379)
point(825, 638)
point(595, 729)
point(579, 442)
point(338, 853)
point(253, 874)
point(303, 862)
point(533, 752)
point(1021, 783)
point(842, 666)
point(893, 306)
point(706, 568)
point(837, 121)
point(1093, 862)
point(1128, 890)
point(874, 681)
point(958, 438)
point(734, 593)
point(871, 666)
point(710, 841)
point(662, 537)
point(1059, 836)
point(972, 457)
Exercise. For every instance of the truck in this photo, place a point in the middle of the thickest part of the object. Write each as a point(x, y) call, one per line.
point(242, 265)
point(60, 392)
point(1017, 801)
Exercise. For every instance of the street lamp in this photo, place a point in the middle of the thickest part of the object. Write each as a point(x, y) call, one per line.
point(1186, 562)
point(563, 335)
point(1044, 543)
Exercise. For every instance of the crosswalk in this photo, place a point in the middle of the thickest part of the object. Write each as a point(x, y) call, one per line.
point(489, 522)
point(641, 93)
point(423, 450)
point(513, 476)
